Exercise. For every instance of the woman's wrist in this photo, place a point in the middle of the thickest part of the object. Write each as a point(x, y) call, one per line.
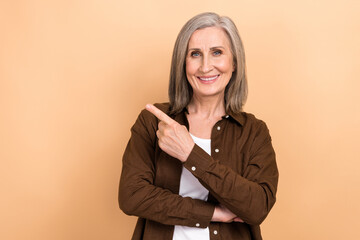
point(222, 214)
point(215, 215)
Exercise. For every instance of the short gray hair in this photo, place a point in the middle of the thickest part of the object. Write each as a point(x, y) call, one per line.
point(180, 91)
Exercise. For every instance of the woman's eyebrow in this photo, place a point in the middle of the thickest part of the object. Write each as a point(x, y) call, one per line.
point(217, 47)
point(198, 49)
point(194, 49)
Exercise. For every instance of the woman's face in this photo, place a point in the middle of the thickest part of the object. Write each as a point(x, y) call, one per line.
point(209, 62)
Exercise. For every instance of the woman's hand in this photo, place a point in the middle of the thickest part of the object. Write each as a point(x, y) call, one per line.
point(222, 214)
point(174, 139)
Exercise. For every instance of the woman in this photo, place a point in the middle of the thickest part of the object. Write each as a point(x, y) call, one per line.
point(199, 167)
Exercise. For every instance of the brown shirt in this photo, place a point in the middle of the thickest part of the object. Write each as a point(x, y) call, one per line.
point(241, 174)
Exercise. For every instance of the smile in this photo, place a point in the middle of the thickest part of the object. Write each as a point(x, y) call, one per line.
point(208, 78)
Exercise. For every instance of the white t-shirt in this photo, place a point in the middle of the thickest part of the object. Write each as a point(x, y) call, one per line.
point(191, 187)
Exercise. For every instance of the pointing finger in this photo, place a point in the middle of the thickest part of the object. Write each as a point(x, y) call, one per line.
point(159, 114)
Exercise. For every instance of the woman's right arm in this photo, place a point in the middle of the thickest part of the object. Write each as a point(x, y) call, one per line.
point(137, 193)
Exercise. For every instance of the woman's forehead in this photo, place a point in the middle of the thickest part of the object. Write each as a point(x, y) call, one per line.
point(209, 37)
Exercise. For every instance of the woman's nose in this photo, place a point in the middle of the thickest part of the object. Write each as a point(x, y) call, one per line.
point(206, 65)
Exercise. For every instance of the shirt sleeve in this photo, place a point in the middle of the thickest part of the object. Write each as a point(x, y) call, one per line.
point(140, 197)
point(250, 195)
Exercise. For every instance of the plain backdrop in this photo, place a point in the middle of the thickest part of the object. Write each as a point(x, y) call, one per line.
point(75, 74)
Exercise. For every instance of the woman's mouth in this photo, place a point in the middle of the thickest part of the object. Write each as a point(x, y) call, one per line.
point(208, 79)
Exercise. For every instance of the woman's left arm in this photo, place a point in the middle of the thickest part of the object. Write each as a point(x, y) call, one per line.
point(249, 196)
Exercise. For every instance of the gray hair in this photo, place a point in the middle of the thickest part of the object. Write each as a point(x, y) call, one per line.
point(180, 91)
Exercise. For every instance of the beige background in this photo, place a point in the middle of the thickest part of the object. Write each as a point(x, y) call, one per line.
point(74, 75)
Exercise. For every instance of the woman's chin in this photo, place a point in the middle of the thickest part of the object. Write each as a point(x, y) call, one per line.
point(207, 94)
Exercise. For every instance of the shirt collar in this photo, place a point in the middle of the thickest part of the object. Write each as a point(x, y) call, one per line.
point(238, 117)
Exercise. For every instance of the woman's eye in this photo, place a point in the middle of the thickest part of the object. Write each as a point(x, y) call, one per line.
point(195, 54)
point(217, 53)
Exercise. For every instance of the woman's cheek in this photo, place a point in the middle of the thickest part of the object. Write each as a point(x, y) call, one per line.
point(191, 67)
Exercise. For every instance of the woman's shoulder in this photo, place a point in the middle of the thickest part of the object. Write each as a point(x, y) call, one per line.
point(147, 123)
point(246, 118)
point(165, 107)
point(256, 127)
point(251, 117)
point(249, 120)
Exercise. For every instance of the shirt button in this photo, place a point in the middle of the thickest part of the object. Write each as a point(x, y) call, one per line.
point(215, 232)
point(193, 168)
point(216, 150)
point(198, 224)
point(218, 128)
point(226, 116)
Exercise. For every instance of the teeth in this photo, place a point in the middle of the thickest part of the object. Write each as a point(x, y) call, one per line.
point(208, 79)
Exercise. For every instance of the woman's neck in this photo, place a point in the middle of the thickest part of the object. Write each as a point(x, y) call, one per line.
point(207, 107)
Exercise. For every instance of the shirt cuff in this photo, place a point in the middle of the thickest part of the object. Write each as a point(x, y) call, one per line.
point(201, 214)
point(198, 161)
